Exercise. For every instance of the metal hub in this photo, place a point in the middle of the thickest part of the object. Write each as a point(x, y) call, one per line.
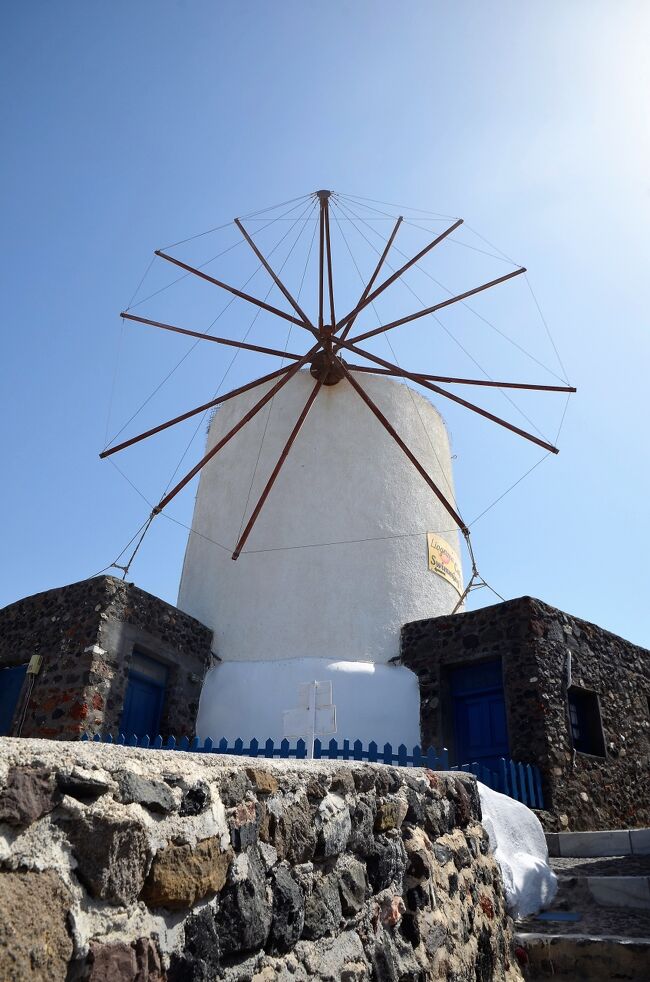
point(334, 373)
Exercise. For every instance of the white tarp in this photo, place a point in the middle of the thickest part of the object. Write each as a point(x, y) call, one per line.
point(518, 843)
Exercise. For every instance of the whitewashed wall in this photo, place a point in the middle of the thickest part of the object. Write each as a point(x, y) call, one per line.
point(345, 479)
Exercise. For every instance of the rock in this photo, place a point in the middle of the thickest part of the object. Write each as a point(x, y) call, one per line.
point(263, 780)
point(342, 782)
point(393, 959)
point(199, 961)
point(194, 800)
point(233, 788)
point(82, 785)
point(386, 863)
point(120, 962)
point(419, 854)
point(353, 886)
point(244, 824)
point(364, 778)
point(442, 853)
point(391, 910)
point(322, 907)
point(289, 829)
point(29, 793)
point(113, 855)
point(391, 812)
point(329, 958)
point(154, 795)
point(362, 820)
point(34, 941)
point(268, 854)
point(243, 920)
point(333, 824)
point(180, 876)
point(467, 800)
point(288, 912)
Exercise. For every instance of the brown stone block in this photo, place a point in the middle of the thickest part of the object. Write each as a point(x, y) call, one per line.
point(28, 794)
point(182, 875)
point(262, 780)
point(34, 941)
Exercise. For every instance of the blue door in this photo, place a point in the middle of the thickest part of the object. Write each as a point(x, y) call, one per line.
point(480, 729)
point(145, 697)
point(11, 683)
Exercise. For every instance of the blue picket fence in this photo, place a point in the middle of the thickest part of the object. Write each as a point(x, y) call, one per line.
point(523, 782)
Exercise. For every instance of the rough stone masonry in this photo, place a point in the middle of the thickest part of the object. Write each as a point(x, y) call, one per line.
point(118, 864)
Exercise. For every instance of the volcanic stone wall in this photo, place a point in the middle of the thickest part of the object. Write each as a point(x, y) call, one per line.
point(86, 633)
point(541, 650)
point(154, 865)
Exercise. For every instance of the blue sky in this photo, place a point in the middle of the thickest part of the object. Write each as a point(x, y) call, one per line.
point(127, 126)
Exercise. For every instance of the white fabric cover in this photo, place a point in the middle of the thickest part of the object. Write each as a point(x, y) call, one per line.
point(518, 843)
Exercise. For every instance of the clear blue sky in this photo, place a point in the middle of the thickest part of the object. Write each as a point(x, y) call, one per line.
point(127, 126)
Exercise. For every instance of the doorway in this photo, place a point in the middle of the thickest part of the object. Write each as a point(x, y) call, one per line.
point(145, 697)
point(11, 683)
point(480, 728)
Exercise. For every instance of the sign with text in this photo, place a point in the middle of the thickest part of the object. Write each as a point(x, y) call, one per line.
point(444, 560)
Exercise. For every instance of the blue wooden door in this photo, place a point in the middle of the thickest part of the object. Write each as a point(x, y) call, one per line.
point(480, 729)
point(11, 683)
point(143, 705)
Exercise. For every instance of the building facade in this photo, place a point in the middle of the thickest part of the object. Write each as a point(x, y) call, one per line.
point(99, 656)
point(525, 680)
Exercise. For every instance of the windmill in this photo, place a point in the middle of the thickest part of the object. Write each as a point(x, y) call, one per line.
point(332, 340)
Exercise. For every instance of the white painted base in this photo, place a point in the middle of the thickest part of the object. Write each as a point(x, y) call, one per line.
point(373, 702)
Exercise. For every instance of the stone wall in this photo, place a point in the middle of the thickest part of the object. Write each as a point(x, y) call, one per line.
point(153, 865)
point(537, 644)
point(86, 633)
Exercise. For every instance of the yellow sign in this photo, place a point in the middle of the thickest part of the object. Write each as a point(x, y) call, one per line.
point(444, 561)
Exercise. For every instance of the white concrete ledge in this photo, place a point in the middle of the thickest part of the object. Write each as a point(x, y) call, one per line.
point(609, 842)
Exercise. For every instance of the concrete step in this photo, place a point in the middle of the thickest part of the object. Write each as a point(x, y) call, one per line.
point(585, 958)
point(598, 926)
point(609, 842)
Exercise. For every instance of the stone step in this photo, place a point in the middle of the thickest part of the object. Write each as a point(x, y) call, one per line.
point(608, 842)
point(585, 957)
point(575, 892)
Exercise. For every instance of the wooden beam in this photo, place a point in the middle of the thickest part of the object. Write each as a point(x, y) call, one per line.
point(194, 412)
point(391, 279)
point(398, 440)
point(231, 289)
point(276, 279)
point(278, 467)
point(211, 337)
point(438, 306)
point(233, 432)
point(348, 326)
point(448, 395)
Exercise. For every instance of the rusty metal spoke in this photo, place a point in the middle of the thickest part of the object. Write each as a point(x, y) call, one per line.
point(233, 432)
point(276, 279)
point(211, 337)
point(195, 412)
point(464, 381)
point(439, 306)
point(278, 467)
point(411, 456)
point(448, 395)
point(398, 272)
point(232, 289)
point(330, 273)
point(348, 326)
